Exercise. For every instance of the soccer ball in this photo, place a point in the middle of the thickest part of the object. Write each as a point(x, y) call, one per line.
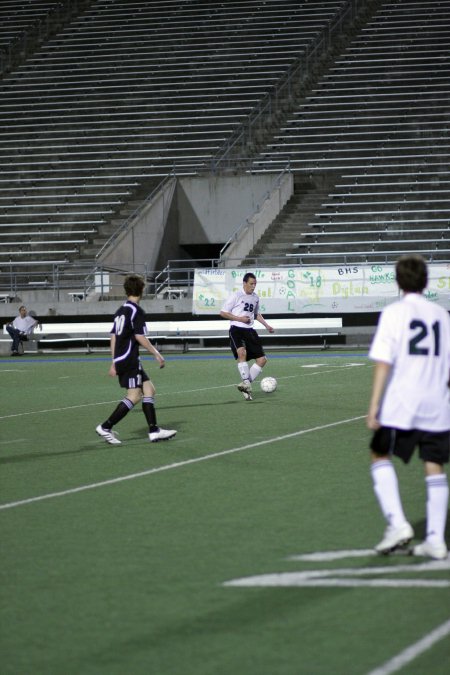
point(268, 384)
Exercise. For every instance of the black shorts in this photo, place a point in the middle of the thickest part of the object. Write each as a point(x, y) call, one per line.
point(132, 377)
point(433, 446)
point(248, 338)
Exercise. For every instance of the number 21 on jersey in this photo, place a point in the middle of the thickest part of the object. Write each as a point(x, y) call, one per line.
point(421, 332)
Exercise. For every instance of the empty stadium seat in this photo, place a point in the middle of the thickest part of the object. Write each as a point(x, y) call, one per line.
point(127, 93)
point(377, 124)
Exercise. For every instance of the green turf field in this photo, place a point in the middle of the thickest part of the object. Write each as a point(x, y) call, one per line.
point(241, 547)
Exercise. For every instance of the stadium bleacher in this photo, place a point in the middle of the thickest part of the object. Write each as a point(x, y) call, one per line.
point(128, 93)
point(378, 121)
point(124, 95)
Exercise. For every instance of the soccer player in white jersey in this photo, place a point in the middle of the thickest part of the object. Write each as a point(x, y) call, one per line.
point(410, 407)
point(241, 309)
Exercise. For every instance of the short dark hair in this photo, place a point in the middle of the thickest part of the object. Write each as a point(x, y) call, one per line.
point(134, 284)
point(411, 273)
point(248, 276)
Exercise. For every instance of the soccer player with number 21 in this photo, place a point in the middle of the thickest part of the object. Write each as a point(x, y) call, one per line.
point(409, 407)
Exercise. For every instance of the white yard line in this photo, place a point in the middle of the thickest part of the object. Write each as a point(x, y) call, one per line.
point(413, 651)
point(88, 405)
point(167, 393)
point(176, 465)
point(15, 440)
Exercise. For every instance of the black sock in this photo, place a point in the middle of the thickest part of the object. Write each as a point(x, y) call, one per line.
point(119, 413)
point(148, 407)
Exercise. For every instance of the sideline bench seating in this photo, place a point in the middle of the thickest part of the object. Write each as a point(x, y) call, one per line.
point(187, 335)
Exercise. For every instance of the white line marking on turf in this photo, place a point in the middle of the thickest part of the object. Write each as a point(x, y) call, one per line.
point(14, 440)
point(313, 365)
point(48, 410)
point(163, 393)
point(331, 577)
point(176, 465)
point(88, 405)
point(413, 651)
point(334, 555)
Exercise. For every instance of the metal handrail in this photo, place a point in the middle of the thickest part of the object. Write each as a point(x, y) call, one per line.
point(125, 226)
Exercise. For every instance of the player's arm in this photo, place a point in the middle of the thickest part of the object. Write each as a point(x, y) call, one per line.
point(259, 317)
point(146, 344)
point(380, 378)
point(112, 345)
point(234, 317)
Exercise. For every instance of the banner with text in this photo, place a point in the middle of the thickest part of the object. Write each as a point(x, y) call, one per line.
point(302, 290)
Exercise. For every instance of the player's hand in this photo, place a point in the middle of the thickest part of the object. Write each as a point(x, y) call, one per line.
point(112, 370)
point(372, 421)
point(271, 329)
point(161, 361)
point(244, 319)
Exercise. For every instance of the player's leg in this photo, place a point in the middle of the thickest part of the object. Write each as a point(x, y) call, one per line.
point(398, 532)
point(131, 380)
point(436, 482)
point(255, 351)
point(155, 433)
point(244, 386)
point(239, 350)
point(257, 367)
point(14, 334)
point(242, 364)
point(122, 409)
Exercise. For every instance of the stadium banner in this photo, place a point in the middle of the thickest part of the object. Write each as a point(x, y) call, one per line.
point(305, 290)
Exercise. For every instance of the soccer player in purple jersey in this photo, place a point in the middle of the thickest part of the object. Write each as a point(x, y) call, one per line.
point(127, 334)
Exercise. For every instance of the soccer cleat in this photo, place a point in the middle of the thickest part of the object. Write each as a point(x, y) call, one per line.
point(246, 389)
point(161, 435)
point(108, 435)
point(395, 537)
point(435, 551)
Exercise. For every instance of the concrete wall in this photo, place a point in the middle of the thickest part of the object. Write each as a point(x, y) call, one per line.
point(190, 210)
point(212, 208)
point(255, 226)
point(138, 246)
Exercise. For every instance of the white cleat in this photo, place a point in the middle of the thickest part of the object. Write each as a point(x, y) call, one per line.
point(108, 435)
point(395, 537)
point(246, 389)
point(161, 435)
point(435, 551)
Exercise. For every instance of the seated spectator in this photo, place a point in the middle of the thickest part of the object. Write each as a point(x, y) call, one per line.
point(21, 329)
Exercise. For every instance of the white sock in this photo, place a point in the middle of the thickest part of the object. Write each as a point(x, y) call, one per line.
point(385, 485)
point(244, 371)
point(254, 371)
point(437, 504)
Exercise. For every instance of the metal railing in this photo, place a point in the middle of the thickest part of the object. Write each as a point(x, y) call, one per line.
point(248, 221)
point(104, 282)
point(132, 218)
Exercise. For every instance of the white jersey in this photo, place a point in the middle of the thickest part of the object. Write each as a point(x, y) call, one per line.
point(413, 335)
point(242, 304)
